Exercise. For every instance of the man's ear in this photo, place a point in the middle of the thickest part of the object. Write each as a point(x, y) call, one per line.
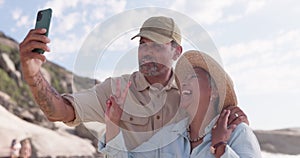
point(177, 53)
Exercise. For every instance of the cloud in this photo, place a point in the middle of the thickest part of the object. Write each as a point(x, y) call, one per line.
point(1, 2)
point(21, 19)
point(60, 7)
point(205, 12)
point(68, 22)
point(213, 11)
point(123, 43)
point(266, 65)
point(117, 6)
point(96, 8)
point(73, 21)
point(68, 44)
point(253, 6)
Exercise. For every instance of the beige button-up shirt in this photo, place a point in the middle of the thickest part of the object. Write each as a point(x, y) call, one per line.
point(147, 107)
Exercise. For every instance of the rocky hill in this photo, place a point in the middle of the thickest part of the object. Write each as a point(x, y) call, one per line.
point(16, 99)
point(20, 117)
point(285, 141)
point(14, 93)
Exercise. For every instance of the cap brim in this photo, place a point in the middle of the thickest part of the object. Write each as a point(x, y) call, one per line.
point(153, 36)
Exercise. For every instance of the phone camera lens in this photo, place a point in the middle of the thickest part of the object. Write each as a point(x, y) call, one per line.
point(39, 17)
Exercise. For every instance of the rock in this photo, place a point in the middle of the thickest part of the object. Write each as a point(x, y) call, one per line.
point(8, 65)
point(47, 143)
point(32, 114)
point(26, 115)
point(92, 131)
point(4, 96)
point(285, 141)
point(69, 80)
point(40, 118)
point(7, 102)
point(8, 41)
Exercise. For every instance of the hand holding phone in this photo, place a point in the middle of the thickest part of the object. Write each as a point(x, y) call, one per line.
point(43, 21)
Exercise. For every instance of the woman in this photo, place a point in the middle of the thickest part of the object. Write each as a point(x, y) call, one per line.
point(205, 90)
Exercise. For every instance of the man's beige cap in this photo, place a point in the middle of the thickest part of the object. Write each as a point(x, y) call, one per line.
point(160, 29)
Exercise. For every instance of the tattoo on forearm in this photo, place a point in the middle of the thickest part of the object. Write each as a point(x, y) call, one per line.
point(44, 94)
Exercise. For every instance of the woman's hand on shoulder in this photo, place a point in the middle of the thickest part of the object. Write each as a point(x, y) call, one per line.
point(221, 131)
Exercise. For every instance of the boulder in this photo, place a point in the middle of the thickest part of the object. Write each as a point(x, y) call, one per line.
point(26, 115)
point(45, 142)
point(8, 65)
point(8, 41)
point(91, 130)
point(285, 141)
point(7, 102)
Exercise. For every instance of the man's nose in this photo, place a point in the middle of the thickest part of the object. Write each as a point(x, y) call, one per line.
point(146, 49)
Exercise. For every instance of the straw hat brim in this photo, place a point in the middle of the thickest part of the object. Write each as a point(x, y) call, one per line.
point(223, 82)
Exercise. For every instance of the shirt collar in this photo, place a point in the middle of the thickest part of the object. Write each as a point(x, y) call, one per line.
point(143, 84)
point(183, 124)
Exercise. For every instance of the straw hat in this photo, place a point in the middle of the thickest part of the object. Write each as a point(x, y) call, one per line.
point(223, 82)
point(160, 29)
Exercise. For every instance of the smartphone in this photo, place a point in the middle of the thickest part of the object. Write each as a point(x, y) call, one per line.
point(43, 21)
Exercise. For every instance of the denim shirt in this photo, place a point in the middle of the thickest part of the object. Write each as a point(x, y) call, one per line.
point(172, 141)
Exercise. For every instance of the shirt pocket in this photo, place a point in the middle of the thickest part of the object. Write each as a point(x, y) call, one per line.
point(134, 120)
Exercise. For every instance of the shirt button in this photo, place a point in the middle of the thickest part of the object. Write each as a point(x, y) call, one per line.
point(158, 117)
point(130, 118)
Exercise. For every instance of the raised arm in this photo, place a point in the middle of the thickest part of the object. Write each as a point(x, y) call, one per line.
point(49, 100)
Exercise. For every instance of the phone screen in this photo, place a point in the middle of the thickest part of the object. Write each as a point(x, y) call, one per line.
point(43, 20)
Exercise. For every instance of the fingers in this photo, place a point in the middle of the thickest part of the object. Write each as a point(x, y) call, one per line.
point(37, 56)
point(125, 91)
point(235, 109)
point(37, 34)
point(112, 106)
point(108, 106)
point(222, 132)
point(118, 88)
point(237, 116)
point(32, 45)
point(35, 39)
point(238, 120)
point(113, 99)
point(231, 127)
point(223, 119)
point(120, 95)
point(116, 101)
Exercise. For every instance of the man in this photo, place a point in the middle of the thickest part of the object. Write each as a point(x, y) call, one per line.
point(153, 96)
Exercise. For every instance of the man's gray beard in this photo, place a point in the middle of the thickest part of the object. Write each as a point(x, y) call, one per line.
point(149, 70)
point(153, 70)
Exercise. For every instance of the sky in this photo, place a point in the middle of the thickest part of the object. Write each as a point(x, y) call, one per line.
point(258, 43)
